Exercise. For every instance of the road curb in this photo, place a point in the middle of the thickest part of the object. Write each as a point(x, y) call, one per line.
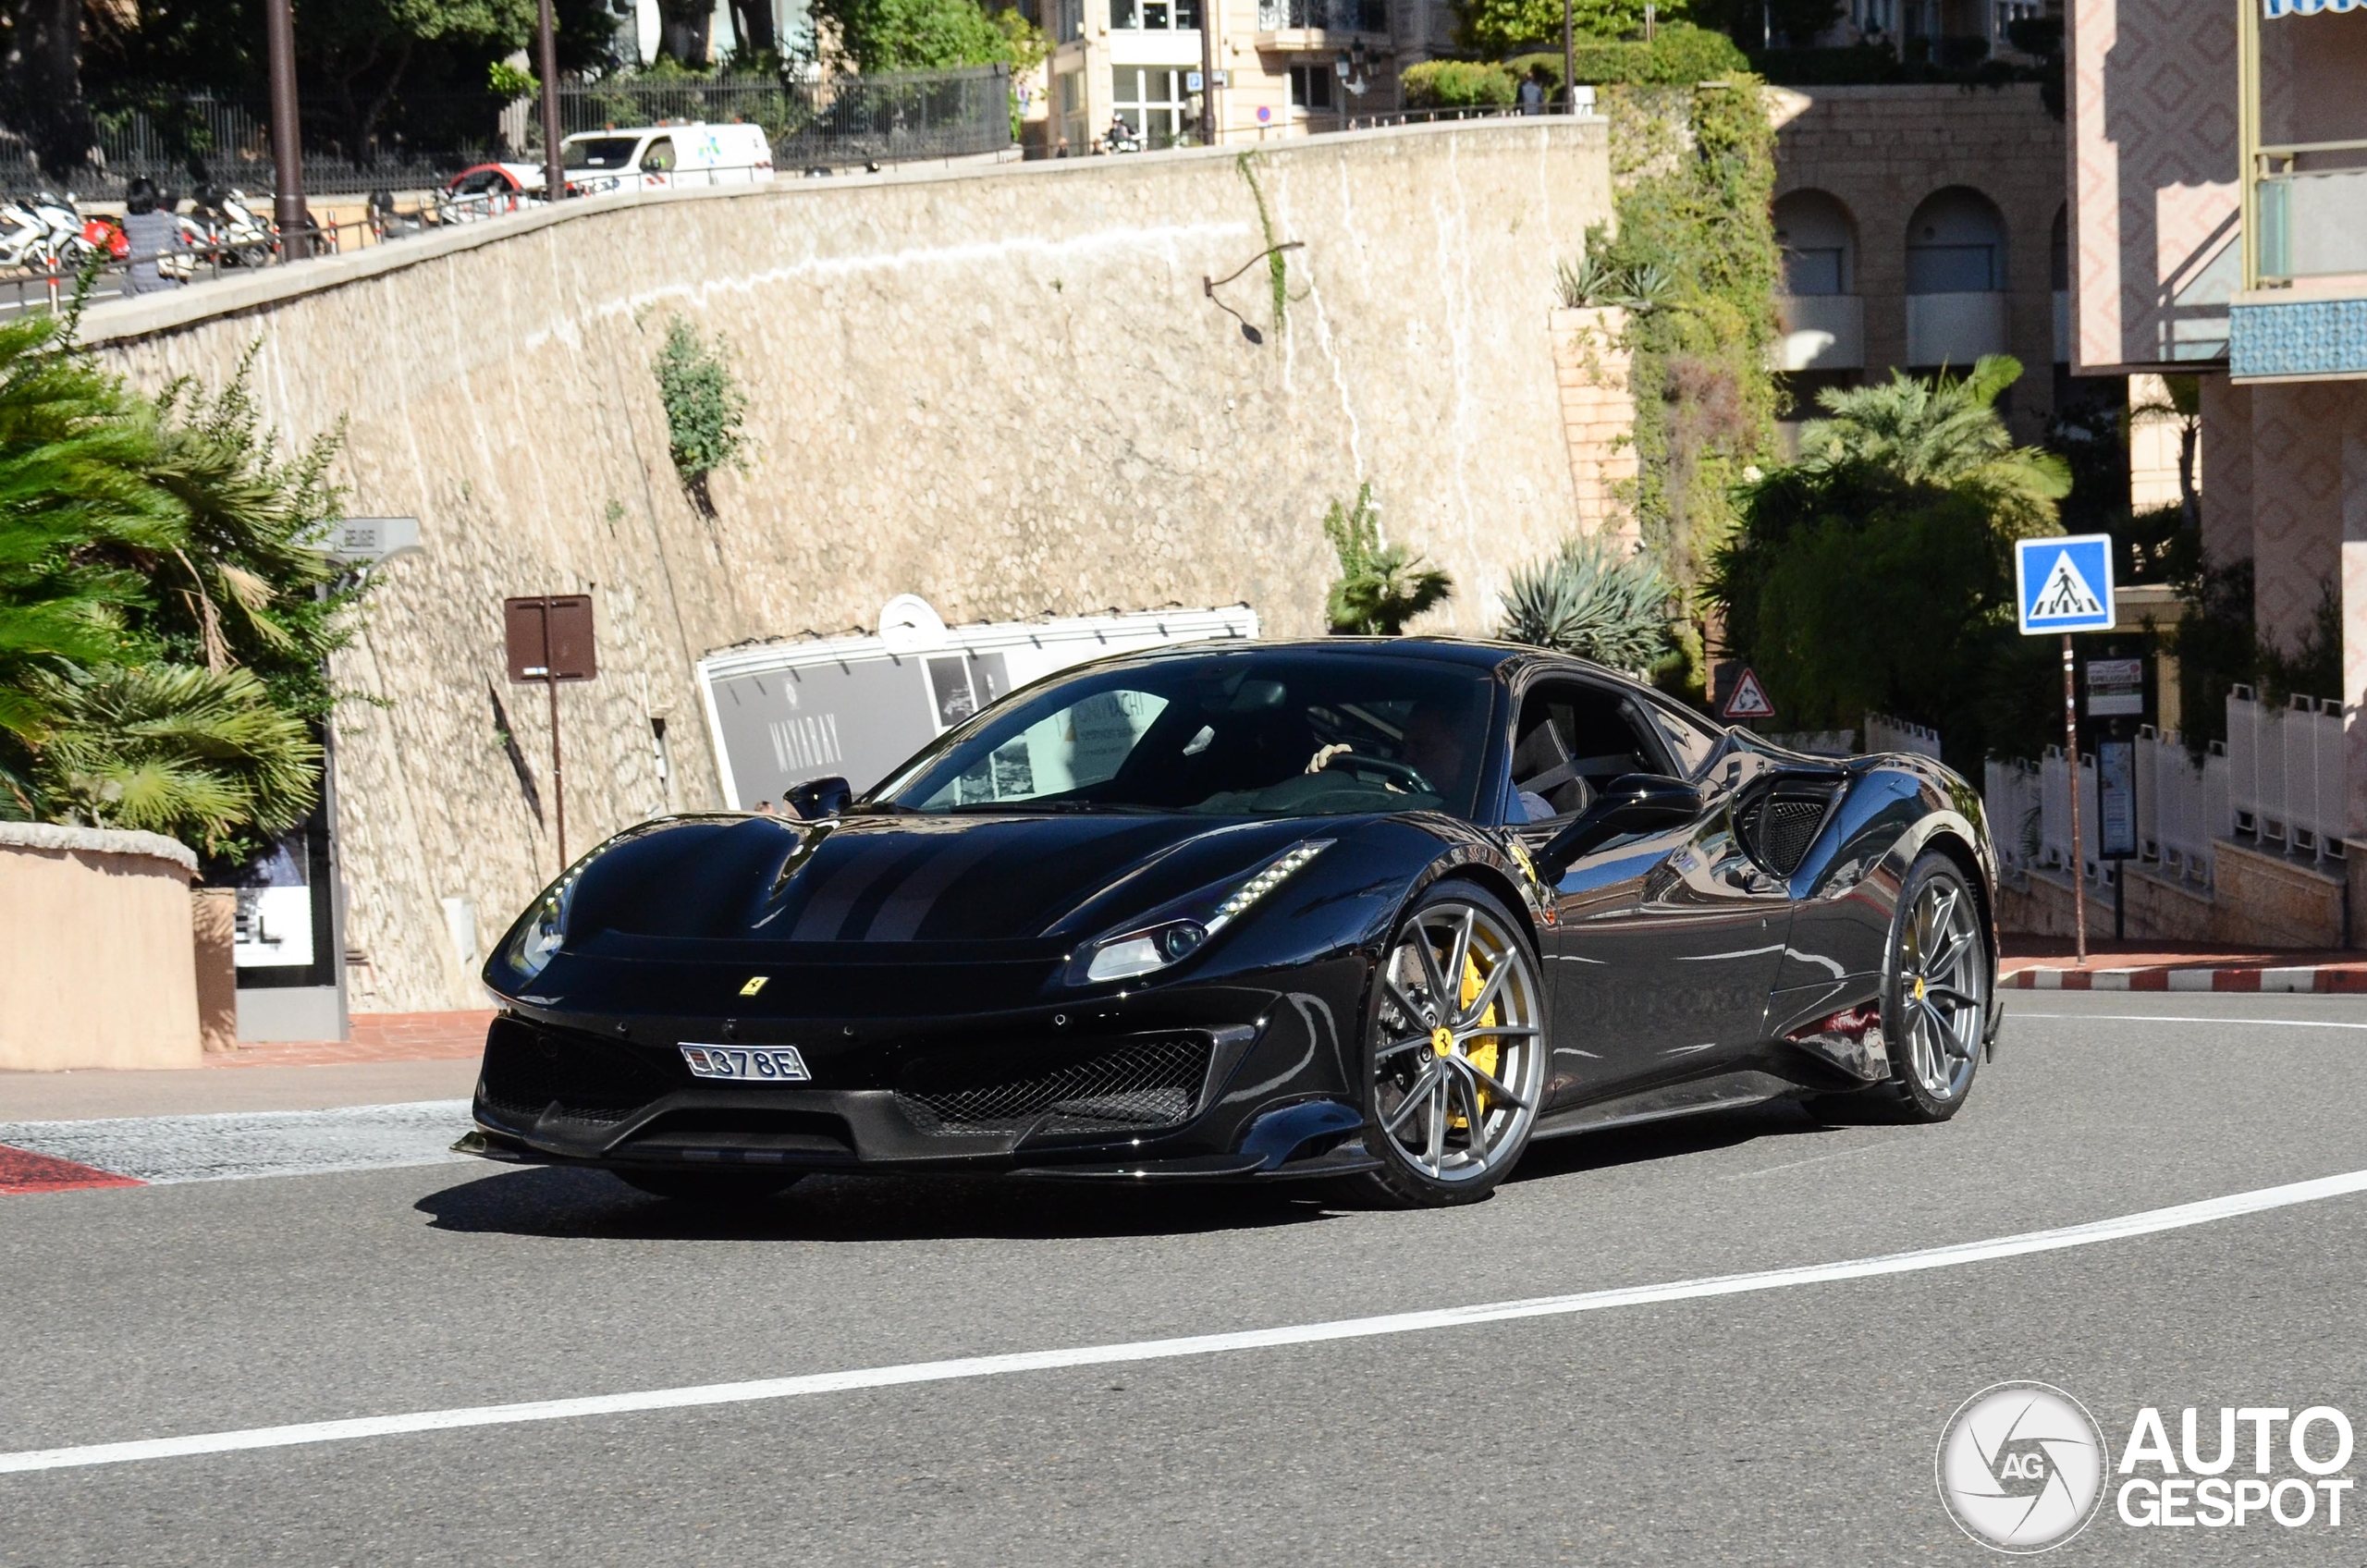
point(2319, 978)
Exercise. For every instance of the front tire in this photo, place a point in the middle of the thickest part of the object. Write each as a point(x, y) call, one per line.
point(1454, 1052)
point(1935, 993)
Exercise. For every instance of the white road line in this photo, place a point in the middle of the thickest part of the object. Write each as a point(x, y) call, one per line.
point(2147, 1223)
point(2169, 1018)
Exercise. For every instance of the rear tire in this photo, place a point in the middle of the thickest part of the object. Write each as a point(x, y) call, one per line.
point(708, 1186)
point(1448, 1124)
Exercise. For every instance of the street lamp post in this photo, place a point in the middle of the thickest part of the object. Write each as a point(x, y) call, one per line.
point(1569, 61)
point(547, 55)
point(287, 135)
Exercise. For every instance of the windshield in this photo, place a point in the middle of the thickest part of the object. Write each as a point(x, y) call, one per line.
point(599, 151)
point(1237, 734)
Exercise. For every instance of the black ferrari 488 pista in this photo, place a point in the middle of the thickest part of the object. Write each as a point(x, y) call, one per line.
point(1376, 911)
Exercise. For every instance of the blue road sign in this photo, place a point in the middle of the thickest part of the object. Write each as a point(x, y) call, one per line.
point(2064, 585)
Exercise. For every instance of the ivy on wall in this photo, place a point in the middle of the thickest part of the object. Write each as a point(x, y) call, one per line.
point(1695, 170)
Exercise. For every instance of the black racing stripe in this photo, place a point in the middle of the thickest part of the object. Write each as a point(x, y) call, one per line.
point(825, 908)
point(866, 909)
point(899, 918)
point(1019, 894)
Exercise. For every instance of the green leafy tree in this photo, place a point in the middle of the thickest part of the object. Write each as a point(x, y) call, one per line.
point(908, 35)
point(705, 408)
point(1596, 598)
point(1500, 26)
point(1817, 545)
point(1944, 431)
point(1381, 587)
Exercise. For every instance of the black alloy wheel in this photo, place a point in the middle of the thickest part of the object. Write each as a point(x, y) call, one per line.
point(1454, 1051)
point(1935, 993)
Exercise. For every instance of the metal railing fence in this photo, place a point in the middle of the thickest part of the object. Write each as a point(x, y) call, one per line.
point(2285, 777)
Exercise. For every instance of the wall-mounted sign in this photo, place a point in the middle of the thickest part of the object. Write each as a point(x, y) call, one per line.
point(2116, 800)
point(2116, 688)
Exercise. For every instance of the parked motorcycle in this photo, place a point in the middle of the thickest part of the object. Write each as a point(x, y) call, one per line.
point(235, 234)
point(24, 238)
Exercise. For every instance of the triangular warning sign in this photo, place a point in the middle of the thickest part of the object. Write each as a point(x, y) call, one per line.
point(2066, 594)
point(1748, 699)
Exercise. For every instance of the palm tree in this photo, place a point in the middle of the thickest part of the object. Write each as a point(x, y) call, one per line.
point(147, 550)
point(1946, 433)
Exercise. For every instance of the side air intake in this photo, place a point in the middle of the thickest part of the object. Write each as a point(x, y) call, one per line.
point(1779, 825)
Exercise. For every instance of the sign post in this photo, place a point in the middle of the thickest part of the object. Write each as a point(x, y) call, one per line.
point(2064, 586)
point(549, 639)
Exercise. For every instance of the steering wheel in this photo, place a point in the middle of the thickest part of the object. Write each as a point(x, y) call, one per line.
point(1381, 770)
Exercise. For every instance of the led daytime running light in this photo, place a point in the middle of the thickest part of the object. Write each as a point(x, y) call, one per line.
point(1265, 882)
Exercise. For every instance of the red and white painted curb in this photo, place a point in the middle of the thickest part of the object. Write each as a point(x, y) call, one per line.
point(2315, 977)
point(21, 1171)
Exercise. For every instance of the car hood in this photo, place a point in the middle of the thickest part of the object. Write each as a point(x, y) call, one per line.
point(968, 878)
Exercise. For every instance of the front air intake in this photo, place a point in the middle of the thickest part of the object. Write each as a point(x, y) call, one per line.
point(1142, 1085)
point(1779, 825)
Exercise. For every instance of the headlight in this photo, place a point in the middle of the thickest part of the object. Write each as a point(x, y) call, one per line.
point(545, 927)
point(1169, 941)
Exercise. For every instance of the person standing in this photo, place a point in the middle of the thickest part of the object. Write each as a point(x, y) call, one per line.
point(149, 233)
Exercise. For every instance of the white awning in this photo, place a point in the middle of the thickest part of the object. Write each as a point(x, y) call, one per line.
point(2273, 8)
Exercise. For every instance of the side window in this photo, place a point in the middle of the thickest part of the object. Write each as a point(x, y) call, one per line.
point(659, 156)
point(1571, 741)
point(1689, 741)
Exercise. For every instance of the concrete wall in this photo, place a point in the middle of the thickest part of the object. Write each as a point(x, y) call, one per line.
point(97, 966)
point(1002, 389)
point(1881, 150)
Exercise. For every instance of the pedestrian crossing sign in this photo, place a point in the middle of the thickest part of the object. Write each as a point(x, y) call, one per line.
point(2064, 585)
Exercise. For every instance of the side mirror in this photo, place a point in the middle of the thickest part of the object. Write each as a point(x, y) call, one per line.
point(1633, 802)
point(818, 798)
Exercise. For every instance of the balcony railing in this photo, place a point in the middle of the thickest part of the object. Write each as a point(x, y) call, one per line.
point(1821, 332)
point(1953, 329)
point(2313, 221)
point(1323, 15)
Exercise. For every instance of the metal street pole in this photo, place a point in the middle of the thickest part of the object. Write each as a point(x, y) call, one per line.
point(555, 182)
point(558, 785)
point(287, 134)
point(2071, 755)
point(1569, 61)
point(1208, 71)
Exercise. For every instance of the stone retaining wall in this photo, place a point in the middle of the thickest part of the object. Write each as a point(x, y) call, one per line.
point(1007, 390)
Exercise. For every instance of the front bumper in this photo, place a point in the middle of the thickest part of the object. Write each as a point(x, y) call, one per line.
point(1208, 1087)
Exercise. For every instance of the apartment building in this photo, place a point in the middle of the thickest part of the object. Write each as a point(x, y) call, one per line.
point(1279, 68)
point(2218, 227)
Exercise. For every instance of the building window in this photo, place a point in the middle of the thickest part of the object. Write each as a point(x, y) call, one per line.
point(1150, 99)
point(1311, 87)
point(1875, 16)
point(1068, 22)
point(1156, 15)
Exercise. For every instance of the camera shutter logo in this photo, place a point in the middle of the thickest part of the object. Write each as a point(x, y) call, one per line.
point(2021, 1467)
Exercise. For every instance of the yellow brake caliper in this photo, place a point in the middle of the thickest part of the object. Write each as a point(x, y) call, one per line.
point(1481, 1056)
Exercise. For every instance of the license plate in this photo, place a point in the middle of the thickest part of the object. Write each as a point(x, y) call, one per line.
point(754, 1063)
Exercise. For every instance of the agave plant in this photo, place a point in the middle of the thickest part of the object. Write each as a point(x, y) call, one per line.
point(1595, 598)
point(1594, 280)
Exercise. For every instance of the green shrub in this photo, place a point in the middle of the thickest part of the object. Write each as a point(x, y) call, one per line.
point(1380, 587)
point(1593, 597)
point(1458, 84)
point(705, 408)
point(1678, 55)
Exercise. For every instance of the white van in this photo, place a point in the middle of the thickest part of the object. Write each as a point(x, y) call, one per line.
point(657, 157)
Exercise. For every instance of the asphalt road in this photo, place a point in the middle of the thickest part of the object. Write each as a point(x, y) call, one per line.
point(1790, 1424)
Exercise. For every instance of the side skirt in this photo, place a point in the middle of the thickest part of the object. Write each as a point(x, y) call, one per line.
point(1726, 1091)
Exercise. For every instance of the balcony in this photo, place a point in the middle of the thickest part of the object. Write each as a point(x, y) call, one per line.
point(1954, 329)
point(1322, 15)
point(1821, 332)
